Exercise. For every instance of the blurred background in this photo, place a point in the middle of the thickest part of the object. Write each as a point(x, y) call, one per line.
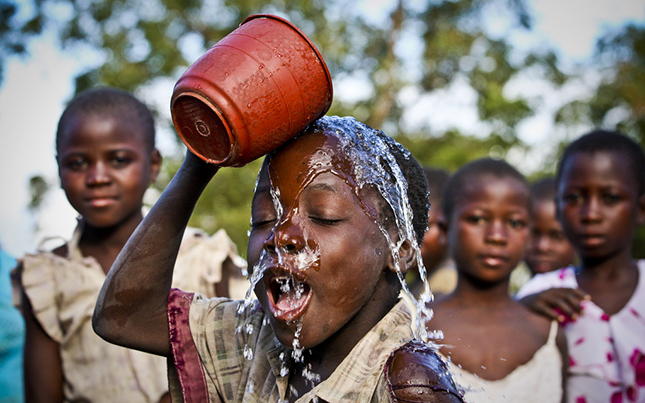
point(452, 80)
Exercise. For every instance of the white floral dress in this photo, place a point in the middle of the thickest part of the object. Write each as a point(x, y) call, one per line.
point(606, 353)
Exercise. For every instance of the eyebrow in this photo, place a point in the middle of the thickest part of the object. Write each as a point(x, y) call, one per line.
point(324, 187)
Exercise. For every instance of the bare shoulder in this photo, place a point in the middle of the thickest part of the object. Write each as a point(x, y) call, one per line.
point(539, 323)
point(416, 373)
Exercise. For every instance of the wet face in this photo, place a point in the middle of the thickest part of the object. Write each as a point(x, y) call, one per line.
point(434, 246)
point(549, 249)
point(105, 168)
point(323, 258)
point(598, 204)
point(488, 229)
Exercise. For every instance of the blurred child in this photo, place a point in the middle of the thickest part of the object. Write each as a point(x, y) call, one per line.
point(440, 270)
point(106, 156)
point(328, 243)
point(601, 302)
point(12, 336)
point(549, 249)
point(500, 351)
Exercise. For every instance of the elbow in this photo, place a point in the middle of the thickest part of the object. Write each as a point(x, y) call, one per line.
point(107, 327)
point(100, 324)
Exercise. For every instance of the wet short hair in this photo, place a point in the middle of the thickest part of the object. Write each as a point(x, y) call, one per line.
point(377, 161)
point(471, 172)
point(608, 141)
point(110, 102)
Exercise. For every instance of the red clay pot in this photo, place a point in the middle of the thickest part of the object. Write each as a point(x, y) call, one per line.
point(251, 92)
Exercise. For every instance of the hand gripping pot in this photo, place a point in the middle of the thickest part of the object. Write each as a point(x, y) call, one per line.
point(251, 92)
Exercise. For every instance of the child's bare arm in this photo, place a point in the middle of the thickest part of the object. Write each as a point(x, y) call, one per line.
point(132, 307)
point(561, 343)
point(42, 365)
point(560, 304)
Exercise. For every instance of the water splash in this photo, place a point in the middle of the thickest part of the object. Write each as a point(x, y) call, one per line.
point(297, 349)
point(248, 352)
point(372, 165)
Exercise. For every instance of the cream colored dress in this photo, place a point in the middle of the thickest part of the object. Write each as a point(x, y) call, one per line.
point(63, 292)
point(537, 381)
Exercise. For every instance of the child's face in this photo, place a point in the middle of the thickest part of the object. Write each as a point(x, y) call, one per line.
point(598, 204)
point(549, 249)
point(434, 246)
point(488, 229)
point(323, 257)
point(105, 168)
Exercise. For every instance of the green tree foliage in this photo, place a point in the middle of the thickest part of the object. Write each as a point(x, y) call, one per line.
point(141, 41)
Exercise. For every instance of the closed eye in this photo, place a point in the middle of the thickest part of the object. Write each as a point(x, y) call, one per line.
point(324, 221)
point(262, 223)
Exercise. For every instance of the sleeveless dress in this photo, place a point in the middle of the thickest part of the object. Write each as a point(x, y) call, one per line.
point(63, 292)
point(537, 381)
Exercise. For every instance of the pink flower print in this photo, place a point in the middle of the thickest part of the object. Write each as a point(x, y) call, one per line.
point(581, 399)
point(567, 319)
point(579, 341)
point(632, 394)
point(610, 357)
point(572, 362)
point(616, 397)
point(604, 317)
point(637, 361)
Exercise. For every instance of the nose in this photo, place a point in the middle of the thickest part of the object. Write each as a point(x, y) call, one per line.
point(98, 174)
point(541, 243)
point(496, 232)
point(286, 236)
point(590, 211)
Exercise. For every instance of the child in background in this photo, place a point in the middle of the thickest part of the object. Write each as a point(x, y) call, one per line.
point(328, 244)
point(106, 156)
point(601, 302)
point(549, 249)
point(440, 269)
point(12, 336)
point(499, 350)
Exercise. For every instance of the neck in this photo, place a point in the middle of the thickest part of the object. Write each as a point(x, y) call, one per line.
point(105, 243)
point(473, 292)
point(607, 266)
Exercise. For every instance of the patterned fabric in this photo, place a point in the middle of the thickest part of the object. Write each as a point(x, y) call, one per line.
point(220, 355)
point(537, 381)
point(12, 337)
point(63, 292)
point(606, 353)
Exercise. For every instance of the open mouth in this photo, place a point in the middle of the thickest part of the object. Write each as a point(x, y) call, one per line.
point(288, 297)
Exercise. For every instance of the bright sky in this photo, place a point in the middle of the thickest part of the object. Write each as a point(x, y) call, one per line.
point(35, 89)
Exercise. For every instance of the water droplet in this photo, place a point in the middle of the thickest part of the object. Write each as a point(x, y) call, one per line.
point(248, 353)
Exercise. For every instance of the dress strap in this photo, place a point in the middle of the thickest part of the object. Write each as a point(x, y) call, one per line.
point(553, 332)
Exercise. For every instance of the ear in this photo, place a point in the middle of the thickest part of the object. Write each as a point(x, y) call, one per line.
point(442, 224)
point(155, 165)
point(640, 214)
point(407, 258)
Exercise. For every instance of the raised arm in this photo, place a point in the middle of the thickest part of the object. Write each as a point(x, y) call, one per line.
point(131, 308)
